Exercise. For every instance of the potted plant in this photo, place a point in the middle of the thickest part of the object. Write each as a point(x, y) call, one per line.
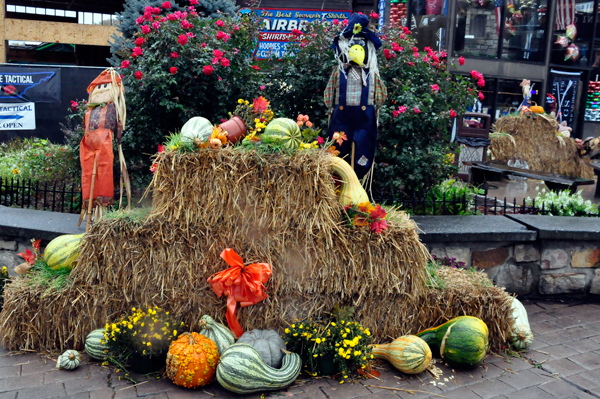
point(331, 347)
point(248, 119)
point(141, 339)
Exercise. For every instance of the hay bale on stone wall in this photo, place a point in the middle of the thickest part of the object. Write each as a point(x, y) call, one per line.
point(534, 138)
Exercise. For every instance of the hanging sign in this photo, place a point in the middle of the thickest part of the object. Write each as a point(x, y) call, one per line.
point(29, 84)
point(278, 25)
point(19, 116)
point(381, 14)
point(563, 86)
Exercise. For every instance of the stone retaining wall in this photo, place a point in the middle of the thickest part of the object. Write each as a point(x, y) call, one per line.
point(546, 267)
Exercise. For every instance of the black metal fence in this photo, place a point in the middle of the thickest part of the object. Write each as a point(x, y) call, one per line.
point(55, 197)
point(62, 197)
point(485, 205)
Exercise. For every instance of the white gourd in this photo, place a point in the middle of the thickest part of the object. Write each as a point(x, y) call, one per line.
point(196, 128)
point(522, 336)
point(69, 360)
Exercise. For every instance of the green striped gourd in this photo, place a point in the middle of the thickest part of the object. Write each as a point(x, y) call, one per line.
point(62, 251)
point(242, 370)
point(522, 336)
point(283, 131)
point(409, 354)
point(220, 334)
point(462, 341)
point(351, 191)
point(196, 128)
point(69, 360)
point(95, 344)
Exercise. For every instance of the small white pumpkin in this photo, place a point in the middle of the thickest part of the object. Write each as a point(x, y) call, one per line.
point(267, 343)
point(522, 336)
point(69, 360)
point(196, 128)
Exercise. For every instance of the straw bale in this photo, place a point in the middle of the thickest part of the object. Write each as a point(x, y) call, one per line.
point(288, 217)
point(534, 138)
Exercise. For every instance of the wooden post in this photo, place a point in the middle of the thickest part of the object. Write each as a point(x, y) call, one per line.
point(2, 34)
point(352, 157)
point(89, 211)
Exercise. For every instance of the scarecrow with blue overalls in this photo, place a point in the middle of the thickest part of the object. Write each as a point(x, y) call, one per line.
point(354, 94)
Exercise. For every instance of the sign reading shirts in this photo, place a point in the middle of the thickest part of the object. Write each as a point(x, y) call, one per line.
point(279, 23)
point(29, 84)
point(17, 116)
point(563, 86)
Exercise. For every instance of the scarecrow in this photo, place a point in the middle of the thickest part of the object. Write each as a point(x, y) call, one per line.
point(354, 93)
point(104, 118)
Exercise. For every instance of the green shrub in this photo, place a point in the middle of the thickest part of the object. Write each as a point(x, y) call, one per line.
point(562, 203)
point(38, 160)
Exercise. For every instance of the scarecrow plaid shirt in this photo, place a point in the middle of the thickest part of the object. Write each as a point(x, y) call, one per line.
point(377, 92)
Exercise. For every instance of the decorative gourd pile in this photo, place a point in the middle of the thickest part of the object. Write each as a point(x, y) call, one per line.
point(278, 209)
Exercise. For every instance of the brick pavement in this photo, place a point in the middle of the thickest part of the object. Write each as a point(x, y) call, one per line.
point(564, 363)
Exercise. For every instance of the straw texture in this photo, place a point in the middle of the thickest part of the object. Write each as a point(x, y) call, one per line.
point(534, 138)
point(275, 209)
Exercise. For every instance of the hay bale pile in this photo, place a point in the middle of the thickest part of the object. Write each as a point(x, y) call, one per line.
point(275, 209)
point(534, 138)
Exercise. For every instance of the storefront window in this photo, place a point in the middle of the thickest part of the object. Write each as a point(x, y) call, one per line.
point(510, 96)
point(429, 23)
point(573, 31)
point(524, 30)
point(477, 28)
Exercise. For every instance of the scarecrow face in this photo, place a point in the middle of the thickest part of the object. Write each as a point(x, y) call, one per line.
point(357, 52)
point(101, 94)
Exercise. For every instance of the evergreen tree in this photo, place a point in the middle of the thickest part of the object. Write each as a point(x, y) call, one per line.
point(133, 9)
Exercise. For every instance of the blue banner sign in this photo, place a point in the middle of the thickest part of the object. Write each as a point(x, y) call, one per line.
point(381, 14)
point(278, 25)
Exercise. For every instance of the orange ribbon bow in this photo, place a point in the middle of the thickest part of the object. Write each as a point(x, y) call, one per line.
point(241, 284)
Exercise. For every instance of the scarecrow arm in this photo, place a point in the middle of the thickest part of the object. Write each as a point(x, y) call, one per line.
point(119, 132)
point(332, 86)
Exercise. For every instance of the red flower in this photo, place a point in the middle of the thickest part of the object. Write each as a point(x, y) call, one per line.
point(161, 148)
point(388, 54)
point(203, 45)
point(406, 30)
point(256, 67)
point(396, 47)
point(222, 36)
point(173, 70)
point(481, 96)
point(139, 41)
point(153, 168)
point(296, 32)
point(208, 70)
point(481, 82)
point(374, 15)
point(137, 51)
point(224, 62)
point(345, 22)
point(217, 53)
point(31, 256)
point(139, 20)
point(146, 29)
point(461, 61)
point(138, 75)
point(172, 17)
point(452, 113)
point(396, 113)
point(378, 213)
point(183, 39)
point(411, 63)
point(417, 110)
point(174, 54)
point(194, 2)
point(220, 23)
point(186, 25)
point(125, 64)
point(166, 5)
point(335, 22)
point(435, 87)
point(320, 140)
point(476, 75)
point(74, 105)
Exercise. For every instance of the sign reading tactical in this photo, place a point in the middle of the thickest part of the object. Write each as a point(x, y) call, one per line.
point(29, 84)
point(17, 116)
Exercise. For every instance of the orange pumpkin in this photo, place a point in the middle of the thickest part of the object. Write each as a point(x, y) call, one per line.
point(192, 360)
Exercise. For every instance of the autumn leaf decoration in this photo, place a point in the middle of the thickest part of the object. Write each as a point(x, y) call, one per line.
point(260, 104)
point(29, 256)
point(365, 214)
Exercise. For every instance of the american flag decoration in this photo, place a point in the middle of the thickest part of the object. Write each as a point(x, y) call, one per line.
point(565, 14)
point(498, 8)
